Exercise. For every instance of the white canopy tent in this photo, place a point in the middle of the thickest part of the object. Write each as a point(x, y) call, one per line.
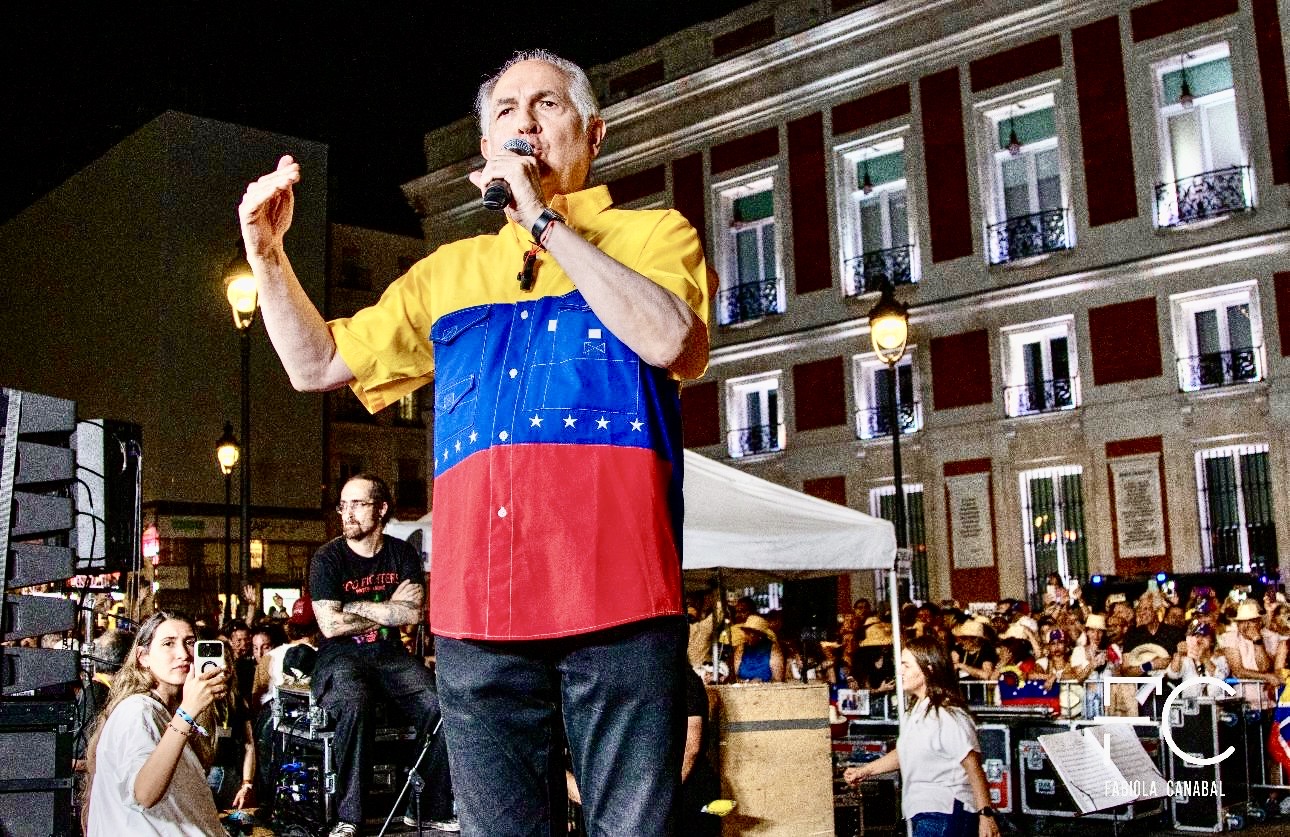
point(739, 522)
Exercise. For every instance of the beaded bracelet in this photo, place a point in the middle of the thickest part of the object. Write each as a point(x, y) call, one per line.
point(184, 733)
point(191, 721)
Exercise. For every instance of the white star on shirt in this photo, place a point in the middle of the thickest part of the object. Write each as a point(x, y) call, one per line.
point(637, 425)
point(570, 421)
point(536, 421)
point(473, 437)
point(457, 446)
point(445, 455)
point(602, 423)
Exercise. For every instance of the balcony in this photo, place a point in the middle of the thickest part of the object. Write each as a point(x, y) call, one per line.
point(1212, 194)
point(1027, 236)
point(760, 438)
point(876, 267)
point(748, 301)
point(1041, 397)
point(1219, 369)
point(875, 422)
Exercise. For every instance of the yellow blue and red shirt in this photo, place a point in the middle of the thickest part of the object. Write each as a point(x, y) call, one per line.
point(557, 495)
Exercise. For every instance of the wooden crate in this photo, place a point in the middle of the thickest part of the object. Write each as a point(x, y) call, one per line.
point(775, 759)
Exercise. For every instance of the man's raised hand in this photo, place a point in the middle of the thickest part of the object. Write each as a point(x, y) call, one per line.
point(267, 206)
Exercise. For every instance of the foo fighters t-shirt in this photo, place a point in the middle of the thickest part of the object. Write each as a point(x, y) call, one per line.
point(338, 573)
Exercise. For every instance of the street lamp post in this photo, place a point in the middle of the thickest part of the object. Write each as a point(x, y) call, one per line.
point(889, 331)
point(227, 452)
point(240, 288)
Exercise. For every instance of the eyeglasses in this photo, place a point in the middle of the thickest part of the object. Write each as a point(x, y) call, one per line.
point(353, 504)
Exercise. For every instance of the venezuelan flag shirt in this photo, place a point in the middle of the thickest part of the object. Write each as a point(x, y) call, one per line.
point(557, 473)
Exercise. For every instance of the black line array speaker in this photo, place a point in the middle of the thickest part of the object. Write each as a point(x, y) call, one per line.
point(36, 783)
point(108, 496)
point(37, 515)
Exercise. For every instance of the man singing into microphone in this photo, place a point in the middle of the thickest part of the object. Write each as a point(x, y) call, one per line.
point(556, 346)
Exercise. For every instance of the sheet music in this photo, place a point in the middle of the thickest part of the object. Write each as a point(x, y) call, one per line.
point(1133, 762)
point(1083, 767)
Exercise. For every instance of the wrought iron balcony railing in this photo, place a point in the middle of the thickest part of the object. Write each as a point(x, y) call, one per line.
point(1041, 396)
point(875, 422)
point(1210, 194)
point(760, 438)
point(1219, 369)
point(1029, 235)
point(870, 270)
point(748, 301)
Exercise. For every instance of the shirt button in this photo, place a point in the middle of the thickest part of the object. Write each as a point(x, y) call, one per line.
point(503, 435)
point(513, 372)
point(501, 512)
point(524, 315)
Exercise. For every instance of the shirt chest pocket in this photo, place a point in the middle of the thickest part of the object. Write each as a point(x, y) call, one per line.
point(580, 365)
point(460, 340)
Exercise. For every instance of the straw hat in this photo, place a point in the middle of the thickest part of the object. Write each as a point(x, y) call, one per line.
point(1016, 631)
point(1247, 611)
point(1115, 598)
point(877, 635)
point(1143, 653)
point(971, 628)
point(1095, 622)
point(758, 624)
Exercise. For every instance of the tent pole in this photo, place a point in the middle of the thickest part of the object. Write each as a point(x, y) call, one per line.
point(893, 585)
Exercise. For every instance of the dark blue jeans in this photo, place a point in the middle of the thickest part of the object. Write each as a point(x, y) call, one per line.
point(623, 703)
point(961, 823)
point(347, 680)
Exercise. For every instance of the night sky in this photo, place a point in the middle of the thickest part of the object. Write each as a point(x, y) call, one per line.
point(369, 79)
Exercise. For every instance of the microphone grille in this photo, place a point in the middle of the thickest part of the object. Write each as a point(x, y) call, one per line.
point(519, 146)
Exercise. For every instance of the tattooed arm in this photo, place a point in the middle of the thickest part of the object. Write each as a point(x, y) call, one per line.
point(403, 608)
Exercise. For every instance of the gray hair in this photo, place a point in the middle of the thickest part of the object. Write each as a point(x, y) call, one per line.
point(580, 90)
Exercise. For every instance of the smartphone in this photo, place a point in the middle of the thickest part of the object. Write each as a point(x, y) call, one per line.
point(209, 652)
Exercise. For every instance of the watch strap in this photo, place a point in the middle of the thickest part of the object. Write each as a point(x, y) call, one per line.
point(542, 226)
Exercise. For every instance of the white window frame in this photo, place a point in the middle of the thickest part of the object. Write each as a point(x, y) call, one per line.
point(864, 385)
point(850, 195)
point(725, 194)
point(1232, 451)
point(880, 583)
point(1014, 341)
point(1195, 56)
point(1027, 522)
point(738, 420)
point(999, 110)
point(1184, 308)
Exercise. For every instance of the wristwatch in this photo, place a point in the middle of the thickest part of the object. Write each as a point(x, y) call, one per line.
point(539, 228)
point(988, 812)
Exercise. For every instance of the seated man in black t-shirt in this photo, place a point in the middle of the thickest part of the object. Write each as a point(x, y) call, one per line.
point(365, 586)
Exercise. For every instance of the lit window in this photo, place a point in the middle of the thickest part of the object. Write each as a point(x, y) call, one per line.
point(1218, 337)
point(1028, 206)
point(873, 380)
point(1203, 160)
point(878, 243)
point(756, 425)
point(1052, 521)
point(751, 284)
point(1235, 496)
point(1040, 368)
point(882, 503)
point(257, 554)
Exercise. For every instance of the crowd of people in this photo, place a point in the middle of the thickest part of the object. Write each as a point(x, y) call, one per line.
point(1065, 641)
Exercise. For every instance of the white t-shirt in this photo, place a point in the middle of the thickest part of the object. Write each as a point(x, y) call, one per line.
point(130, 736)
point(932, 746)
point(277, 654)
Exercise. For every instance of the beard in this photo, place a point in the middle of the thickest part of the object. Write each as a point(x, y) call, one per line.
point(355, 530)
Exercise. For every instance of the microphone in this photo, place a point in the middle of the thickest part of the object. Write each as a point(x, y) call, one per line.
point(497, 194)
